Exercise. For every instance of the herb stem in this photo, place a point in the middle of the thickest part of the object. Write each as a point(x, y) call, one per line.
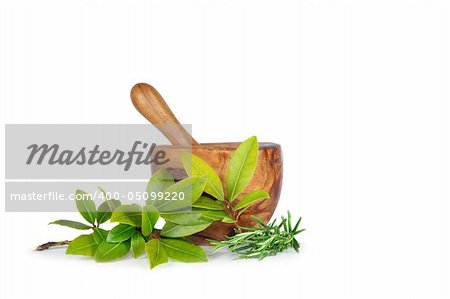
point(49, 245)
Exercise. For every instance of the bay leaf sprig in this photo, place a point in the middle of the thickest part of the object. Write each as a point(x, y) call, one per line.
point(241, 168)
point(135, 231)
point(86, 207)
point(137, 228)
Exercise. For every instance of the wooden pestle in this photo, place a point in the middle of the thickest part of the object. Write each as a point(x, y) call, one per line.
point(152, 106)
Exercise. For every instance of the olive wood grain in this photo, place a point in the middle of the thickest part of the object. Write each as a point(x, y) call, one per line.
point(152, 106)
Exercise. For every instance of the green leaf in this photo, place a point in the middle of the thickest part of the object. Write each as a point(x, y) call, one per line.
point(185, 218)
point(183, 251)
point(251, 198)
point(150, 216)
point(82, 245)
point(111, 251)
point(120, 233)
point(195, 166)
point(86, 206)
point(71, 224)
point(100, 235)
point(160, 181)
point(208, 215)
point(241, 167)
point(228, 219)
point(208, 203)
point(173, 230)
point(128, 214)
point(156, 253)
point(106, 209)
point(137, 244)
point(194, 217)
point(191, 188)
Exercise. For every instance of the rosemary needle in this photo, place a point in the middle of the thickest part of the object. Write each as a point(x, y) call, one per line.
point(263, 240)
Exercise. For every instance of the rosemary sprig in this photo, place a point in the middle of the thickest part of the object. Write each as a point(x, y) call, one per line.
point(264, 240)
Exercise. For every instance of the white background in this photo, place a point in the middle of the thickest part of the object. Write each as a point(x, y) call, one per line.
point(357, 93)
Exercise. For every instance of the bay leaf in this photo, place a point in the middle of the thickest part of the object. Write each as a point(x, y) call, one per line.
point(106, 208)
point(197, 167)
point(228, 219)
point(120, 233)
point(71, 224)
point(86, 206)
point(173, 230)
point(160, 181)
point(100, 235)
point(210, 215)
point(184, 217)
point(82, 245)
point(111, 251)
point(241, 167)
point(192, 189)
point(183, 251)
point(251, 198)
point(137, 244)
point(150, 216)
point(156, 253)
point(208, 203)
point(128, 214)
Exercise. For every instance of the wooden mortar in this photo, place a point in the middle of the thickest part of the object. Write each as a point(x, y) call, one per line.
point(268, 174)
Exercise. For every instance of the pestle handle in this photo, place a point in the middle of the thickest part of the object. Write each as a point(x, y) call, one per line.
point(152, 106)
